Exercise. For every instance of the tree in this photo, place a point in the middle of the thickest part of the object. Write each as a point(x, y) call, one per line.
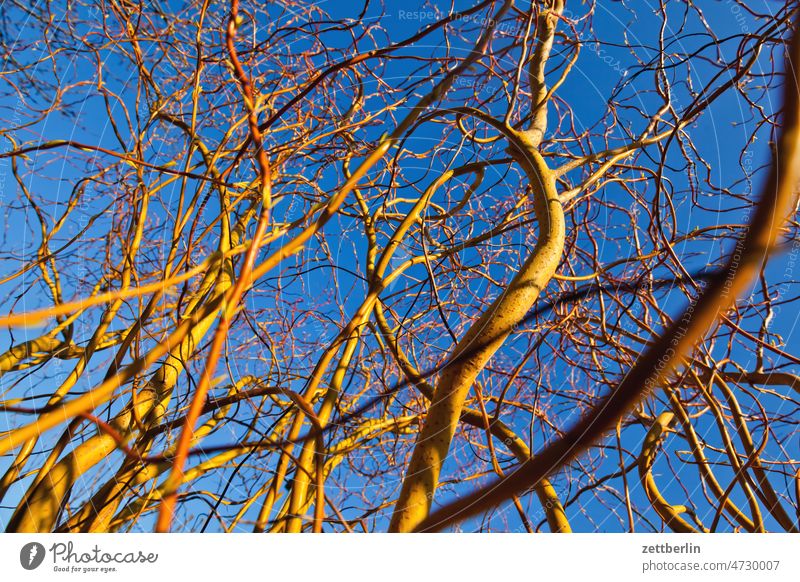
point(272, 268)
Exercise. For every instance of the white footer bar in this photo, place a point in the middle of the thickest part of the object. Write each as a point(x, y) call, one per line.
point(401, 558)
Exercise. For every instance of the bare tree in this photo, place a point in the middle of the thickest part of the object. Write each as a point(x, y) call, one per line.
point(272, 268)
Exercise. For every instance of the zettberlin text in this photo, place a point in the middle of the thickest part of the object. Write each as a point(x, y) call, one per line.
point(667, 548)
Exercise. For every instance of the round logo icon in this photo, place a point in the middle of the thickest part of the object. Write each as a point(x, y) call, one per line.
point(31, 555)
